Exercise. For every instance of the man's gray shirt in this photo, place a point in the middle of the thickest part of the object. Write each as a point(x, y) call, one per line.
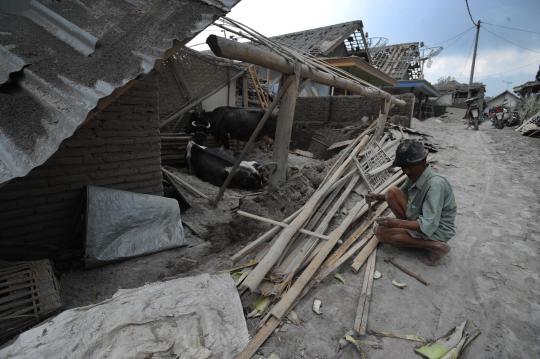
point(431, 202)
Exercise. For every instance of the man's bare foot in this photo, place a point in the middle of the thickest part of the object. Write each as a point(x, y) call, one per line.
point(439, 250)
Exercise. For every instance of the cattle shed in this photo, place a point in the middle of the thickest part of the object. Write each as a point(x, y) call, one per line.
point(79, 105)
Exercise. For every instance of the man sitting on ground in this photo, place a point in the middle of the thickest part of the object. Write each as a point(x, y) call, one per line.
point(424, 206)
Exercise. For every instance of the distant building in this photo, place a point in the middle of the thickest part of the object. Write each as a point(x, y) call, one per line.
point(529, 88)
point(341, 45)
point(458, 92)
point(505, 98)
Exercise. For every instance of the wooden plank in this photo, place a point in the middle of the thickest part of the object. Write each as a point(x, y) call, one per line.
point(365, 253)
point(339, 144)
point(360, 323)
point(183, 183)
point(331, 263)
point(337, 263)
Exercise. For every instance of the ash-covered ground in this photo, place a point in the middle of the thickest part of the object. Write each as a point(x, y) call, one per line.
point(491, 275)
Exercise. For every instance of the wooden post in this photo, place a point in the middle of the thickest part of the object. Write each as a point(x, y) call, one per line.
point(245, 91)
point(251, 140)
point(284, 131)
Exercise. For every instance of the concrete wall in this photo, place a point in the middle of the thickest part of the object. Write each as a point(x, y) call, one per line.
point(345, 108)
point(224, 97)
point(40, 214)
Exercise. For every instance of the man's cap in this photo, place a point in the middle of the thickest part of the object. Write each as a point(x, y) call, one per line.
point(409, 153)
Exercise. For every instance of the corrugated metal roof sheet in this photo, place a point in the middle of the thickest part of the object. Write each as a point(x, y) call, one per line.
point(59, 59)
point(320, 41)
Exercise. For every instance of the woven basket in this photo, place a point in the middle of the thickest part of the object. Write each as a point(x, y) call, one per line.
point(29, 292)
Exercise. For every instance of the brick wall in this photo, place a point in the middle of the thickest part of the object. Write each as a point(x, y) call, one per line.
point(119, 148)
point(345, 108)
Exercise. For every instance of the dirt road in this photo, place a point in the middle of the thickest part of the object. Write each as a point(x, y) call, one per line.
point(491, 276)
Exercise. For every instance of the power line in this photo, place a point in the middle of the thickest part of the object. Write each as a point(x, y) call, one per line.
point(456, 40)
point(467, 60)
point(511, 42)
point(470, 15)
point(454, 37)
point(513, 28)
point(507, 71)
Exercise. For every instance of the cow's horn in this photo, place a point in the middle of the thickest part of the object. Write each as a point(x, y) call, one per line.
point(208, 126)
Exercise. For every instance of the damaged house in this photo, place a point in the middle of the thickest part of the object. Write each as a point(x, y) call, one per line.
point(77, 109)
point(405, 63)
point(456, 93)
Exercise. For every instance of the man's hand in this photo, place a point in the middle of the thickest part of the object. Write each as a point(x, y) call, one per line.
point(388, 222)
point(374, 197)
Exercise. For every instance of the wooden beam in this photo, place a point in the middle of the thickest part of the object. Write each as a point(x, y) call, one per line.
point(282, 138)
point(364, 254)
point(272, 60)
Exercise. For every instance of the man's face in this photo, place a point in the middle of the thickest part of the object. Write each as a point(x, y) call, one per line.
point(407, 170)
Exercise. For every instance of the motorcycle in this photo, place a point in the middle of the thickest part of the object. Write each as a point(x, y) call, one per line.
point(473, 113)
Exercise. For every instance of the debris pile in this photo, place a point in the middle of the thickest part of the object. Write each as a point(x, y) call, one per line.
point(531, 127)
point(301, 250)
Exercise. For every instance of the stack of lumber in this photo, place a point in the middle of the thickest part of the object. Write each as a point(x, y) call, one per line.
point(306, 247)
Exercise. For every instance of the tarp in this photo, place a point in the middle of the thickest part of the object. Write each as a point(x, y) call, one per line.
point(192, 317)
point(121, 224)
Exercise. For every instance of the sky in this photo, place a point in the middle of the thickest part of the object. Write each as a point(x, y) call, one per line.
point(505, 58)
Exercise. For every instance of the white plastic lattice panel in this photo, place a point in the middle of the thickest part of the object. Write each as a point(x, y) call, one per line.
point(375, 158)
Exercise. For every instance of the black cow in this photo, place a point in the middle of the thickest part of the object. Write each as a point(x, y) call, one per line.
point(214, 165)
point(232, 122)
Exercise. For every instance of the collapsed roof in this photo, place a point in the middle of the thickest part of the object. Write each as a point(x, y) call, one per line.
point(401, 61)
point(322, 41)
point(59, 61)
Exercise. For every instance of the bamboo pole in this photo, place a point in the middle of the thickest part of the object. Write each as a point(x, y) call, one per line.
point(311, 243)
point(251, 140)
point(362, 311)
point(262, 239)
point(281, 224)
point(248, 53)
point(265, 265)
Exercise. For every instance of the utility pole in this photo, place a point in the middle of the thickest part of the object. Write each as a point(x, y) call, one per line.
point(473, 59)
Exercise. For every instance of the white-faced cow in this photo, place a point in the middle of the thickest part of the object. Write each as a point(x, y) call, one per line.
point(232, 122)
point(214, 165)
